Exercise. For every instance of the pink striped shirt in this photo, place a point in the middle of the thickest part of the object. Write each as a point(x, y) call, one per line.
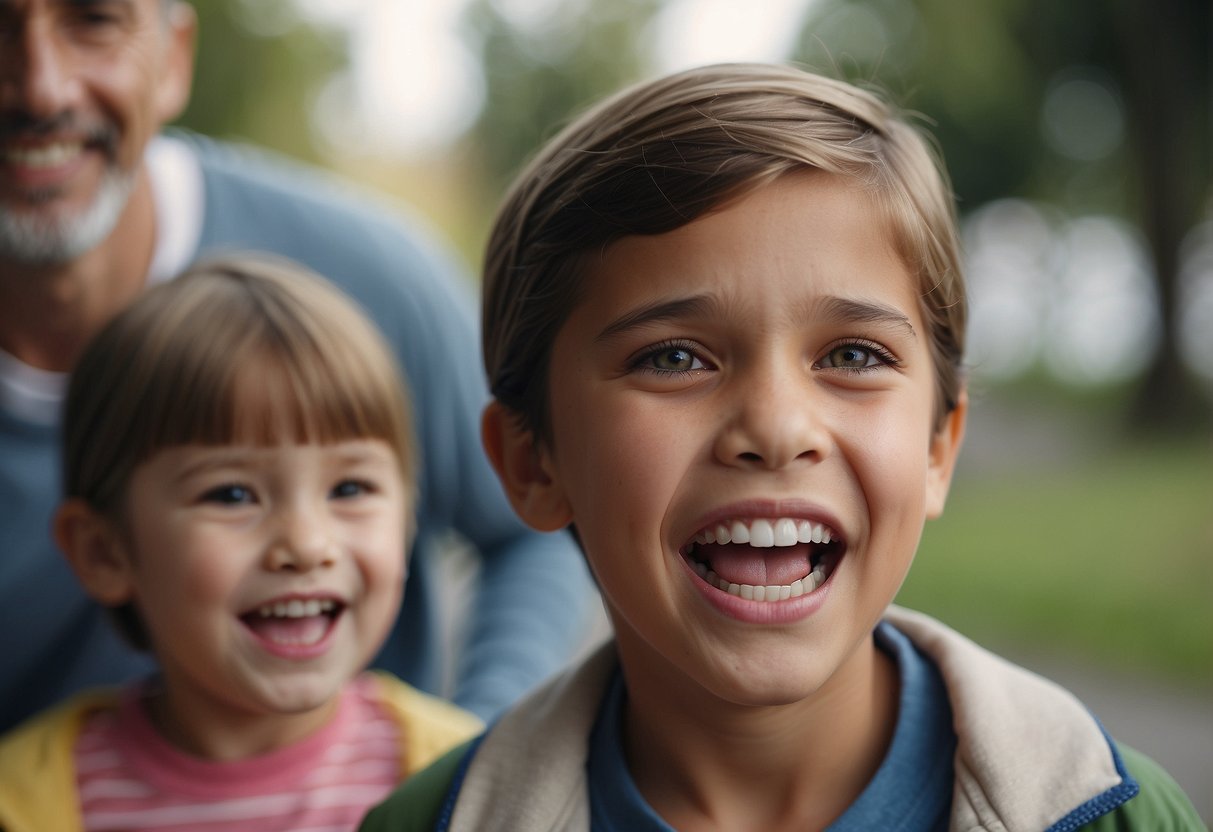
point(129, 778)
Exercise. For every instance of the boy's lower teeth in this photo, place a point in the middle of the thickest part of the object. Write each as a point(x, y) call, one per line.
point(804, 586)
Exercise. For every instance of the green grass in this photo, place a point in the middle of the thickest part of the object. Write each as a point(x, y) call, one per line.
point(1111, 561)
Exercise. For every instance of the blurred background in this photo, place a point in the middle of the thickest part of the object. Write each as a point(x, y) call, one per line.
point(1079, 136)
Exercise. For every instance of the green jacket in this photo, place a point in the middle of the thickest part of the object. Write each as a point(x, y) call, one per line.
point(1004, 716)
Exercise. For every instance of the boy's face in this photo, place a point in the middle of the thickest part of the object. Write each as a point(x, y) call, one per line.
point(266, 576)
point(765, 369)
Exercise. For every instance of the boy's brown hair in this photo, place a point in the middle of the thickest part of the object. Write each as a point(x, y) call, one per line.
point(659, 155)
point(239, 349)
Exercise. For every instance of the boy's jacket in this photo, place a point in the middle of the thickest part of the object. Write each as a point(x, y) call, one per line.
point(38, 773)
point(1029, 757)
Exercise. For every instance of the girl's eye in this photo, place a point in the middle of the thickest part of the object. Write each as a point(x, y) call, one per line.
point(856, 356)
point(346, 489)
point(670, 358)
point(229, 495)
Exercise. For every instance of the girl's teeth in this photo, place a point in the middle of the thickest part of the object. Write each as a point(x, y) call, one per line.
point(296, 608)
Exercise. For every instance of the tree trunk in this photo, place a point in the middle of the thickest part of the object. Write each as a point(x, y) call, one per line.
point(1166, 47)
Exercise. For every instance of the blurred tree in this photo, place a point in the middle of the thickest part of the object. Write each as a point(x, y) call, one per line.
point(541, 69)
point(987, 74)
point(1164, 48)
point(257, 68)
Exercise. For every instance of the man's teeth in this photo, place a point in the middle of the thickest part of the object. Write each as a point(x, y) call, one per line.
point(296, 608)
point(764, 534)
point(795, 589)
point(47, 156)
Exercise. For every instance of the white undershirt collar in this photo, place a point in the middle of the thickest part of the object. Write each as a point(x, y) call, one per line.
point(35, 395)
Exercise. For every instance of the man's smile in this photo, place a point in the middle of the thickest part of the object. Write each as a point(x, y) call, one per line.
point(41, 157)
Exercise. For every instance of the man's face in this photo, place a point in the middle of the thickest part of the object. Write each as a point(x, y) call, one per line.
point(84, 84)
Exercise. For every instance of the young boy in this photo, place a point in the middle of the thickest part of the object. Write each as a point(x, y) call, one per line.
point(724, 320)
point(239, 477)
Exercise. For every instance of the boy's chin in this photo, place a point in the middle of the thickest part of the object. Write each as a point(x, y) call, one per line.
point(767, 687)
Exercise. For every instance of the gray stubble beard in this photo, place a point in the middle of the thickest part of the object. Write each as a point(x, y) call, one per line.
point(56, 240)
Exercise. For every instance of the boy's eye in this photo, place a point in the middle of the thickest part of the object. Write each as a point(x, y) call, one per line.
point(229, 495)
point(856, 356)
point(670, 358)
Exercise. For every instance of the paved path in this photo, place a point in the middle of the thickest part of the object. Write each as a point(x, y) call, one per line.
point(1172, 724)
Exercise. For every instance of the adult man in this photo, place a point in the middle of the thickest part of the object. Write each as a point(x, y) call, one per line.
point(94, 205)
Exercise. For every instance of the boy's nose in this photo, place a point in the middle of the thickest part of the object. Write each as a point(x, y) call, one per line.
point(301, 544)
point(773, 421)
point(36, 75)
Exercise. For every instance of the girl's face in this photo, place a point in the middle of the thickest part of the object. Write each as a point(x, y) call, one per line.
point(742, 432)
point(266, 576)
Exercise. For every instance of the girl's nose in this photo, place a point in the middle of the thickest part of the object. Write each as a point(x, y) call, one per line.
point(301, 544)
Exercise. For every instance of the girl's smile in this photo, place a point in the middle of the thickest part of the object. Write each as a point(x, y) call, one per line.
point(266, 575)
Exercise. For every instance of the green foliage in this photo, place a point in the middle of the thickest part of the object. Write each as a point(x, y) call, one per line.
point(537, 78)
point(1112, 560)
point(257, 68)
point(977, 70)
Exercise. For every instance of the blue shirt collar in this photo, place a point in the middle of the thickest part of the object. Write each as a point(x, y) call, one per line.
point(911, 791)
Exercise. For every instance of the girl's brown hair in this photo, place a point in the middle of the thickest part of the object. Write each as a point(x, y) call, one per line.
point(244, 349)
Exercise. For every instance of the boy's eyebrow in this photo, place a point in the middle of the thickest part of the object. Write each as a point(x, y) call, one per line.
point(834, 309)
point(847, 310)
point(658, 311)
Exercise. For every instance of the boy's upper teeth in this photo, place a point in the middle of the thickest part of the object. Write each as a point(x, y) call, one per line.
point(296, 608)
point(764, 533)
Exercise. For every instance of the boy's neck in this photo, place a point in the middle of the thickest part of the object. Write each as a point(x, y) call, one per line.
point(796, 766)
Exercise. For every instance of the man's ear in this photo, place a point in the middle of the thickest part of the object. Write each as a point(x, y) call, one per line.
point(524, 466)
point(177, 70)
point(95, 551)
point(945, 448)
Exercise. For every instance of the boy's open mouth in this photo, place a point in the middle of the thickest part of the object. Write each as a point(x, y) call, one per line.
point(295, 621)
point(765, 559)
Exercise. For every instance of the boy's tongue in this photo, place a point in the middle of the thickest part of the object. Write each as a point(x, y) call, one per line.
point(290, 630)
point(741, 564)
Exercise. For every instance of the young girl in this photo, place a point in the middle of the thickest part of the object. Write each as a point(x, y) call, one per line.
point(238, 470)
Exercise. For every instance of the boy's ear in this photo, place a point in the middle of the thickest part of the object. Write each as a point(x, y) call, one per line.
point(524, 467)
point(945, 448)
point(95, 551)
